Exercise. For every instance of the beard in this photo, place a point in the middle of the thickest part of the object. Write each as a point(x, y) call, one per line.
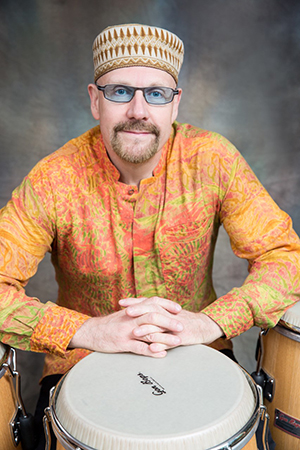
point(138, 152)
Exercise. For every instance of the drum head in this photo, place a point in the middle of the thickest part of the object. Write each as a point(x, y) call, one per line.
point(291, 318)
point(194, 398)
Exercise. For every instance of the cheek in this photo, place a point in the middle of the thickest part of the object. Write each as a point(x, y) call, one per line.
point(107, 133)
point(164, 123)
point(107, 119)
point(106, 127)
point(111, 113)
point(165, 131)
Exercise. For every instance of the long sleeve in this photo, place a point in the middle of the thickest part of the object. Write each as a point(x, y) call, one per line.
point(27, 231)
point(262, 233)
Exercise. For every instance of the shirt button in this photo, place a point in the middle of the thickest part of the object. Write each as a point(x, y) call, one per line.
point(131, 191)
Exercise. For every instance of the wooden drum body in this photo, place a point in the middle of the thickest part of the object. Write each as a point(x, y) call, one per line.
point(281, 364)
point(196, 398)
point(8, 402)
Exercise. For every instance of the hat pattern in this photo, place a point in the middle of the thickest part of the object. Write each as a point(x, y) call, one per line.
point(137, 45)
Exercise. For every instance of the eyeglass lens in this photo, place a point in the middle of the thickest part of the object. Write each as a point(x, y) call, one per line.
point(124, 94)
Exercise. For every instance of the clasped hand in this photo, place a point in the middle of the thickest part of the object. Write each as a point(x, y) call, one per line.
point(164, 324)
point(146, 326)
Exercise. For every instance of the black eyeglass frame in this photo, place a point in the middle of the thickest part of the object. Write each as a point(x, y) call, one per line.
point(134, 89)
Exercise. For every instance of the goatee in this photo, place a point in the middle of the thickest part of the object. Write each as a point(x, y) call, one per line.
point(138, 152)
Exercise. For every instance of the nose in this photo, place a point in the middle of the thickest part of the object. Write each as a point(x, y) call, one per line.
point(138, 107)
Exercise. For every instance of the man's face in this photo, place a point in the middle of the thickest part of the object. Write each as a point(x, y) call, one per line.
point(134, 131)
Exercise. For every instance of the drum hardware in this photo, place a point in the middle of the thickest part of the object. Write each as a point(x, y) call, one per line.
point(288, 331)
point(46, 422)
point(66, 438)
point(265, 418)
point(261, 378)
point(21, 424)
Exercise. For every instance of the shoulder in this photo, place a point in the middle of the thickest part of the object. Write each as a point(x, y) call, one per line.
point(194, 142)
point(72, 157)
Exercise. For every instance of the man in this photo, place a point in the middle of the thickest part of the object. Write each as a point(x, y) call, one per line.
point(131, 214)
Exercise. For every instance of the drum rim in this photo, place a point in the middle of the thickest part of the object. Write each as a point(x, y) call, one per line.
point(288, 330)
point(4, 359)
point(236, 442)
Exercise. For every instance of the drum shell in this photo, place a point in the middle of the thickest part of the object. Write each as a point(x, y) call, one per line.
point(281, 361)
point(8, 407)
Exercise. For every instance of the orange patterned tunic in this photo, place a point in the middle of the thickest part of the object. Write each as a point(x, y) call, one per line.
point(110, 241)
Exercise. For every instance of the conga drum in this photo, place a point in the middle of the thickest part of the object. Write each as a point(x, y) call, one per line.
point(280, 362)
point(8, 408)
point(193, 399)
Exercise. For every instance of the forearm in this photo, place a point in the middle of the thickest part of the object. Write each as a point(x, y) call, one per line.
point(270, 288)
point(28, 324)
point(56, 329)
point(262, 233)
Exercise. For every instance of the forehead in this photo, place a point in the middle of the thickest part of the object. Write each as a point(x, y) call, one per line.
point(138, 76)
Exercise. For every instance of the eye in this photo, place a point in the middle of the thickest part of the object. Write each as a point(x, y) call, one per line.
point(156, 93)
point(121, 91)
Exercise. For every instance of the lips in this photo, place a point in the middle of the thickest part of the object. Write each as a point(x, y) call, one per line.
point(137, 132)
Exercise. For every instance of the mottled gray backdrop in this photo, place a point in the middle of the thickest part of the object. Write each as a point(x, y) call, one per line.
point(240, 78)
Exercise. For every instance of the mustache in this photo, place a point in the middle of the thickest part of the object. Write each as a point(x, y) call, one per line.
point(137, 125)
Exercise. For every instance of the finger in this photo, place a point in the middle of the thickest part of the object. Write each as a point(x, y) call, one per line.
point(142, 308)
point(141, 348)
point(144, 330)
point(164, 303)
point(158, 348)
point(131, 301)
point(163, 321)
point(170, 340)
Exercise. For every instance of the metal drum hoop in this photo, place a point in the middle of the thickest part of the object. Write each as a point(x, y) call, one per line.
point(4, 359)
point(288, 331)
point(21, 422)
point(236, 442)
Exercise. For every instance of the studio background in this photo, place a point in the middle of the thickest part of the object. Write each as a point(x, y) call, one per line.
point(240, 77)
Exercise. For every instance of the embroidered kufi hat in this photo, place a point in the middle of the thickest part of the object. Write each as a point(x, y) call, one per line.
point(137, 45)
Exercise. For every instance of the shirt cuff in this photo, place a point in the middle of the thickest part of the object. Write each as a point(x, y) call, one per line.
point(55, 330)
point(232, 315)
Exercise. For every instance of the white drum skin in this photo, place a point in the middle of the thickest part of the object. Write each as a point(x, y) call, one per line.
point(281, 362)
point(291, 318)
point(194, 399)
point(8, 405)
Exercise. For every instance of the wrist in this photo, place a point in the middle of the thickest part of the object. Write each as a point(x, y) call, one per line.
point(210, 328)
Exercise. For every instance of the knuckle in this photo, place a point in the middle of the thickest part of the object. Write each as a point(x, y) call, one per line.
point(152, 317)
point(146, 338)
point(141, 348)
point(149, 337)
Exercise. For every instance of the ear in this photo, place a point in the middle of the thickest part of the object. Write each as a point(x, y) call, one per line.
point(176, 102)
point(94, 97)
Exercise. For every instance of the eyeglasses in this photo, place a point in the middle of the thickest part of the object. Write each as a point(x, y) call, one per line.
point(154, 95)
